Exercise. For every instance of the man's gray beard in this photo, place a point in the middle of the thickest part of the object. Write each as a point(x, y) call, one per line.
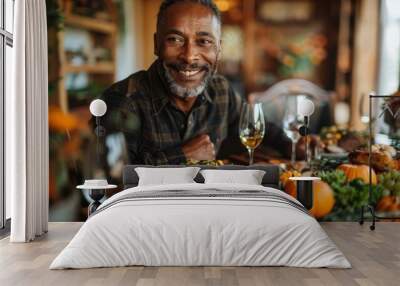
point(181, 91)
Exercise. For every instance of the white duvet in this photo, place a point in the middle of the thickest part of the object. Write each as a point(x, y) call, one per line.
point(190, 231)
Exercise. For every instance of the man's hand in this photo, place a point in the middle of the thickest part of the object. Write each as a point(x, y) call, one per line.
point(199, 148)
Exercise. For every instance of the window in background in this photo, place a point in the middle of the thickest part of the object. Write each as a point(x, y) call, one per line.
point(389, 66)
point(8, 86)
point(9, 15)
point(6, 64)
point(2, 205)
point(389, 61)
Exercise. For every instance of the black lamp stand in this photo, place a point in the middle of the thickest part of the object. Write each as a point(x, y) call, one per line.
point(96, 195)
point(370, 206)
point(305, 193)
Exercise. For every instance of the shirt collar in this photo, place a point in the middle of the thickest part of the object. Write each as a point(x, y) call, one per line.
point(207, 94)
point(158, 87)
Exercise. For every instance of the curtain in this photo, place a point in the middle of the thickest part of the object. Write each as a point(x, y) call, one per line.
point(27, 124)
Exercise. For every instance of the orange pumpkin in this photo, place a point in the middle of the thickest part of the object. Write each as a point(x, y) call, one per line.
point(323, 198)
point(353, 172)
point(290, 188)
point(388, 204)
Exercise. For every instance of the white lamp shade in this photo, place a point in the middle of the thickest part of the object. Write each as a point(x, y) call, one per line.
point(98, 107)
point(305, 107)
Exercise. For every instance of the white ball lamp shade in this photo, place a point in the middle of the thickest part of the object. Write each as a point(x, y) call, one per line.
point(305, 107)
point(98, 107)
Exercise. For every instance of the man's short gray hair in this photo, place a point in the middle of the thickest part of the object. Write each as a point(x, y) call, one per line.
point(168, 3)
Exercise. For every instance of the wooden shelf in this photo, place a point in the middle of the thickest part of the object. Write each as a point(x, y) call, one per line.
point(90, 24)
point(100, 33)
point(99, 68)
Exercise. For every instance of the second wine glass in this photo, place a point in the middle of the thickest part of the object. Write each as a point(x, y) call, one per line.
point(291, 124)
point(251, 127)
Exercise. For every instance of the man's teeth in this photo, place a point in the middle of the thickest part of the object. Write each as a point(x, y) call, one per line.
point(189, 73)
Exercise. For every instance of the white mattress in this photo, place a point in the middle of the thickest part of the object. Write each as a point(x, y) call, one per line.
point(202, 231)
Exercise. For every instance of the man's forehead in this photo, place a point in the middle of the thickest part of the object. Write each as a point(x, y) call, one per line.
point(188, 16)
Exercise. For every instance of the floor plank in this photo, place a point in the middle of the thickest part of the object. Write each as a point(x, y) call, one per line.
point(374, 255)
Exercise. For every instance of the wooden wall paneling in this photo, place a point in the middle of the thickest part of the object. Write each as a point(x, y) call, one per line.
point(249, 28)
point(103, 33)
point(150, 10)
point(343, 65)
point(365, 55)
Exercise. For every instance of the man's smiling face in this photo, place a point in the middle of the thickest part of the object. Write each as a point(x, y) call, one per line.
point(188, 43)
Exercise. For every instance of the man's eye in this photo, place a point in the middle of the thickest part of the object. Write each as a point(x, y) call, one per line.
point(205, 42)
point(175, 40)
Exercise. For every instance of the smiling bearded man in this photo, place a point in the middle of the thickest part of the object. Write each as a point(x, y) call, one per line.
point(180, 108)
point(182, 91)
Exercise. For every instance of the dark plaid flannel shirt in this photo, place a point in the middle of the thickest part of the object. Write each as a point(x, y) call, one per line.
point(155, 129)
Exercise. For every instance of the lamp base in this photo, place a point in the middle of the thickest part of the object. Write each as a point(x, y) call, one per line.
point(96, 195)
point(305, 190)
point(305, 193)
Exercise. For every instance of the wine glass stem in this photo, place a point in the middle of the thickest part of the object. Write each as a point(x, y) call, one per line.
point(293, 153)
point(251, 155)
point(308, 157)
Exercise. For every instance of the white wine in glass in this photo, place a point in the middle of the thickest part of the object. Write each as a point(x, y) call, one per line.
point(251, 127)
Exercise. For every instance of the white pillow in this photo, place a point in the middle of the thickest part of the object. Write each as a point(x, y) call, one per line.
point(248, 177)
point(163, 176)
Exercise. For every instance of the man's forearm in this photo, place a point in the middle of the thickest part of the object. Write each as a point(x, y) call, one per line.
point(170, 156)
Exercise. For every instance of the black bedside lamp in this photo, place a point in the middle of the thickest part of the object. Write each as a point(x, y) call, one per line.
point(305, 109)
point(97, 187)
point(98, 108)
point(305, 184)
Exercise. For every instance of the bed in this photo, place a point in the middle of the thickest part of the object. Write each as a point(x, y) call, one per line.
point(197, 224)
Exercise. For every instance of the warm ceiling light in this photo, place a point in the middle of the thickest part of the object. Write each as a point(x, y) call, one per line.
point(223, 5)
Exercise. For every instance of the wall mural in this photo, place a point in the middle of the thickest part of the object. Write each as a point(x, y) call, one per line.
point(83, 45)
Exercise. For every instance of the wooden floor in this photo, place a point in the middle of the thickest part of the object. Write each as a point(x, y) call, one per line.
point(375, 257)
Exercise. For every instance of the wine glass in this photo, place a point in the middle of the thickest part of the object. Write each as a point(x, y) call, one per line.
point(292, 121)
point(251, 127)
point(364, 108)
